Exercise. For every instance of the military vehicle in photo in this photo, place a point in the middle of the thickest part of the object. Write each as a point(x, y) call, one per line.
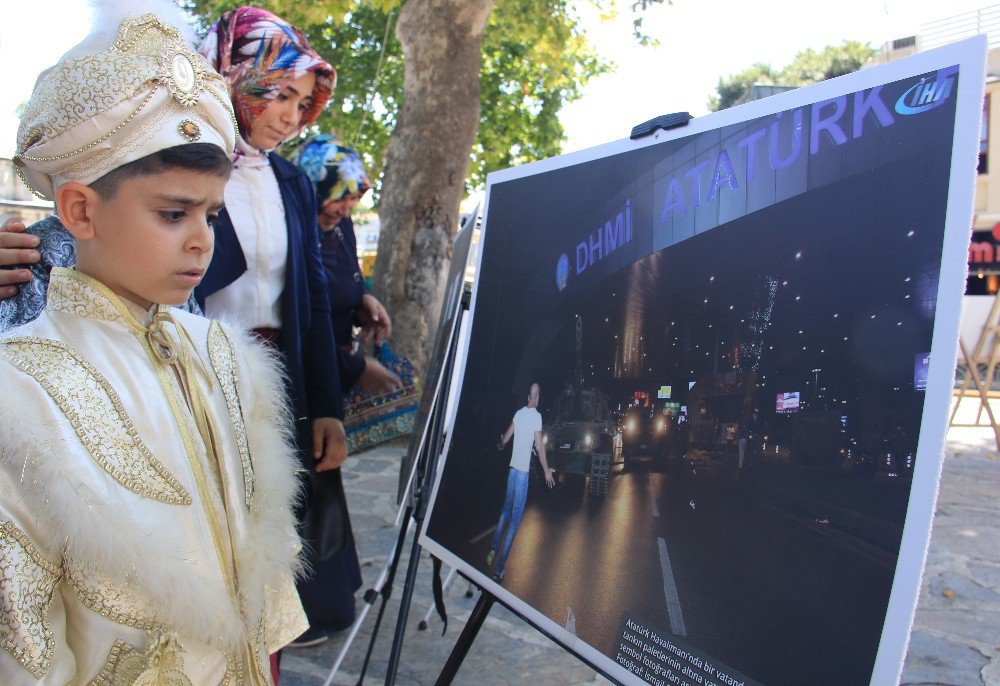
point(644, 432)
point(582, 438)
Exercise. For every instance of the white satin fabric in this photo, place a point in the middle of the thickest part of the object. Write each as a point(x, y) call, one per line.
point(100, 497)
point(253, 201)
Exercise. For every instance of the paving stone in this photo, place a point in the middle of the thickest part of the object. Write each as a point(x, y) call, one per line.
point(935, 661)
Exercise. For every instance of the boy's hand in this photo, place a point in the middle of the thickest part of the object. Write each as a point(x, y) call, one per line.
point(329, 443)
point(549, 478)
point(16, 247)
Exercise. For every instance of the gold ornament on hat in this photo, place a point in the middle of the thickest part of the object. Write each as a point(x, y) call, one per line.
point(183, 73)
point(190, 130)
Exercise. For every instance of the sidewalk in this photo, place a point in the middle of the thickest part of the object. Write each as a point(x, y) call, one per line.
point(955, 640)
point(956, 634)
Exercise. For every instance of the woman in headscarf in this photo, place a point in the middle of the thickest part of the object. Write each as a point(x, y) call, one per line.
point(267, 272)
point(381, 396)
point(341, 181)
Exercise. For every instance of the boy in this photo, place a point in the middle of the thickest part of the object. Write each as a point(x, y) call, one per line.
point(146, 476)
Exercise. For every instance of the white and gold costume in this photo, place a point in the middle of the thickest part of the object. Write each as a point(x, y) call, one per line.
point(146, 532)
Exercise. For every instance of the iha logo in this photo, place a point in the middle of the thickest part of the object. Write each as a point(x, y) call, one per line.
point(925, 95)
point(562, 271)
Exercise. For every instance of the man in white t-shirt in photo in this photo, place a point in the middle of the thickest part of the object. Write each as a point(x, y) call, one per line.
point(526, 428)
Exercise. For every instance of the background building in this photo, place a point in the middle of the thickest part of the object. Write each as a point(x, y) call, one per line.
point(15, 198)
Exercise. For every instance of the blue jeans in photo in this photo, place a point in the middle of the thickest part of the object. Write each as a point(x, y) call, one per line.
point(513, 508)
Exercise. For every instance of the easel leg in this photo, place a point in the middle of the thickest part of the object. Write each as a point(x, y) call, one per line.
point(385, 591)
point(404, 611)
point(461, 649)
point(983, 397)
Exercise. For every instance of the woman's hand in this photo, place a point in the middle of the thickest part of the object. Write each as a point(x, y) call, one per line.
point(373, 317)
point(16, 247)
point(329, 443)
point(377, 379)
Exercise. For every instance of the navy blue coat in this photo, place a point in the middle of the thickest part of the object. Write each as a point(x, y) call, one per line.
point(339, 251)
point(306, 340)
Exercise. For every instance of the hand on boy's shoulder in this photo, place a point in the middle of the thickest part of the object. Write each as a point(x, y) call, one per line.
point(17, 248)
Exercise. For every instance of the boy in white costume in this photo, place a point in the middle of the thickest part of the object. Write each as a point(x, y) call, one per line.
point(146, 472)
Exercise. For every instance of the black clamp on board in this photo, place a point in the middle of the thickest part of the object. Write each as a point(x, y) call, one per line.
point(664, 121)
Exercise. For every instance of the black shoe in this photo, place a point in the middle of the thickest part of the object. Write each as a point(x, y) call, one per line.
point(312, 637)
point(498, 576)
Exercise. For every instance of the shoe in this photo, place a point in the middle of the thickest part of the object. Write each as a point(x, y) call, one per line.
point(489, 557)
point(498, 576)
point(312, 637)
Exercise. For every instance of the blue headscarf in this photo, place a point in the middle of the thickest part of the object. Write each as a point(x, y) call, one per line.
point(335, 170)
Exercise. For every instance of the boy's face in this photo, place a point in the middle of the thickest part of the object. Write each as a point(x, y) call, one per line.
point(152, 241)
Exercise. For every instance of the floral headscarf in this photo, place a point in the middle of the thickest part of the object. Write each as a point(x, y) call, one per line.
point(336, 170)
point(258, 53)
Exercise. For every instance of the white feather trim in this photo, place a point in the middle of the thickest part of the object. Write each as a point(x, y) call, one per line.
point(269, 427)
point(108, 15)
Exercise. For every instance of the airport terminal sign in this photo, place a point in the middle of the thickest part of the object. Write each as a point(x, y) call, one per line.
point(701, 335)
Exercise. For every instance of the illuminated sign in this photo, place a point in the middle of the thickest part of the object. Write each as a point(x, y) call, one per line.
point(984, 251)
point(920, 363)
point(663, 392)
point(787, 403)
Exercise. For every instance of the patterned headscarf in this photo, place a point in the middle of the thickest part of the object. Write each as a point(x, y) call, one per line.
point(336, 170)
point(257, 54)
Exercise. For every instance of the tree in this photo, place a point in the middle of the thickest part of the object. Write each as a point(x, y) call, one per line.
point(807, 67)
point(732, 88)
point(428, 159)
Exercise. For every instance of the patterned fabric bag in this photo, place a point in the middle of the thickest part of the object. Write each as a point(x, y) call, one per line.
point(371, 418)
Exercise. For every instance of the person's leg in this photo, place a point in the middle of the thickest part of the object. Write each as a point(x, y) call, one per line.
point(508, 505)
point(743, 448)
point(520, 489)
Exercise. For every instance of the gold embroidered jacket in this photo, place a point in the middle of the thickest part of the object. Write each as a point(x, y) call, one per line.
point(146, 488)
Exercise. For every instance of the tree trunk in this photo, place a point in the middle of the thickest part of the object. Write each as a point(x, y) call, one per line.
point(426, 164)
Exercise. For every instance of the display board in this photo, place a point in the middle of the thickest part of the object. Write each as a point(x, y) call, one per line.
point(450, 307)
point(796, 252)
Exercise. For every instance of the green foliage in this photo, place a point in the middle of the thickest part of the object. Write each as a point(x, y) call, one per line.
point(610, 9)
point(535, 60)
point(808, 67)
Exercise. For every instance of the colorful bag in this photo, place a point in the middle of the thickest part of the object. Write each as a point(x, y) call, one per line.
point(371, 418)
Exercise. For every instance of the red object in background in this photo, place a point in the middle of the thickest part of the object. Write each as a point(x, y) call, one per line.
point(274, 667)
point(640, 399)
